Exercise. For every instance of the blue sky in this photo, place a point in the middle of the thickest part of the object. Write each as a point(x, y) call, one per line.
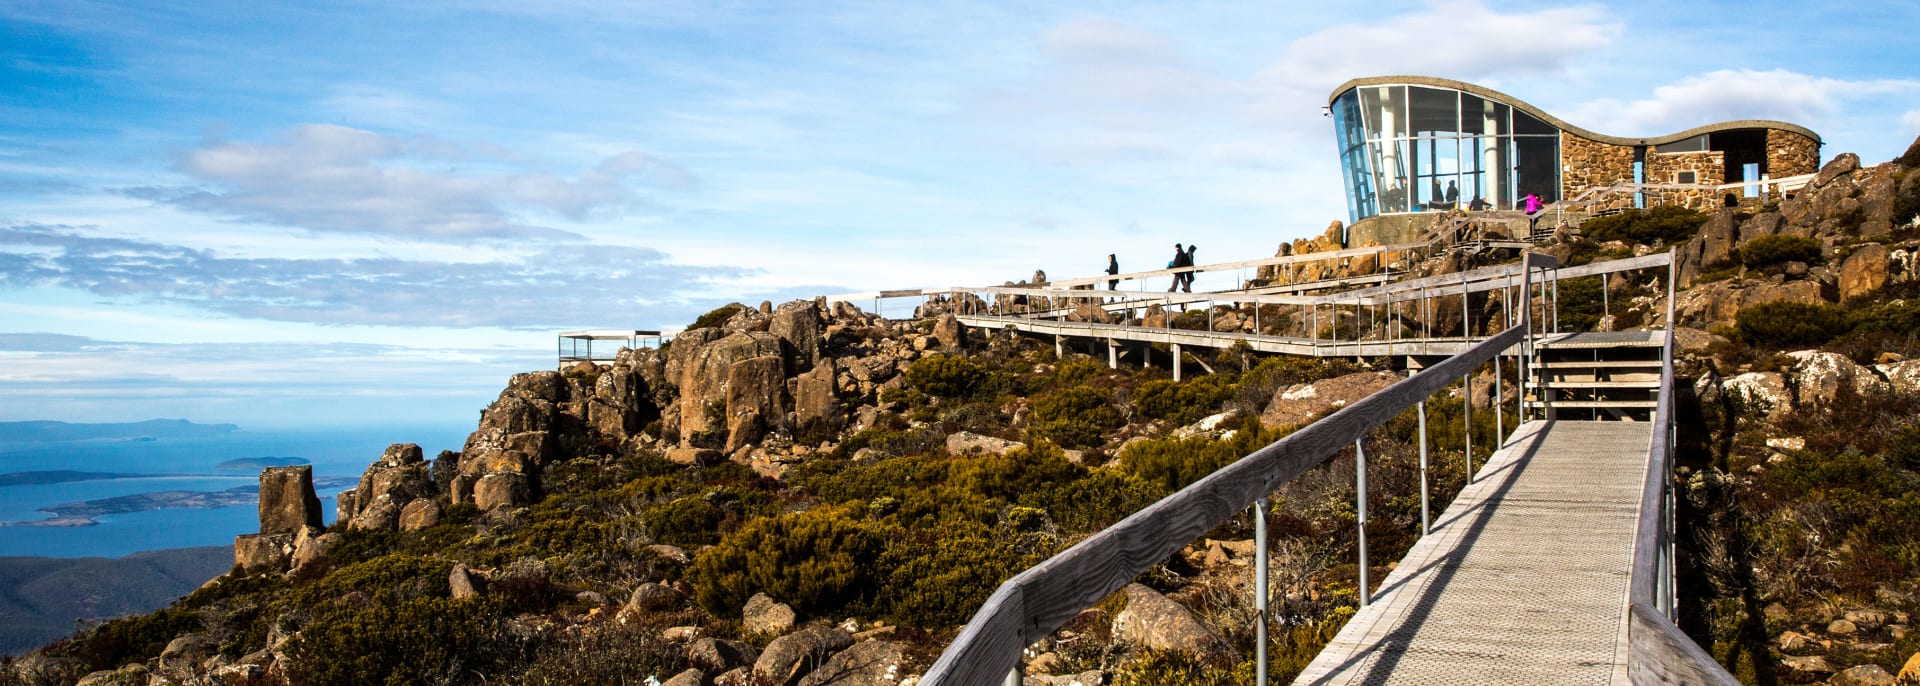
point(342, 213)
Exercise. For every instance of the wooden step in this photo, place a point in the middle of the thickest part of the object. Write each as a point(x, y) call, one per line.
point(1601, 403)
point(1589, 364)
point(1654, 384)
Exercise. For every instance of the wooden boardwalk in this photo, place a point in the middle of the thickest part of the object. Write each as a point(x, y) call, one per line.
point(1523, 580)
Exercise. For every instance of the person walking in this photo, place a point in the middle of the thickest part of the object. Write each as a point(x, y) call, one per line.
point(1186, 284)
point(1113, 267)
point(1179, 260)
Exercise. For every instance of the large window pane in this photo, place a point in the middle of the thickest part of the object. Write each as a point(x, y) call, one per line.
point(1526, 125)
point(1385, 109)
point(1433, 112)
point(1474, 115)
point(1536, 166)
point(1350, 139)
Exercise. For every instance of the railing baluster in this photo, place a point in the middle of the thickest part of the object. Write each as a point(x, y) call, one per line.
point(1360, 497)
point(1466, 415)
point(1260, 591)
point(1425, 526)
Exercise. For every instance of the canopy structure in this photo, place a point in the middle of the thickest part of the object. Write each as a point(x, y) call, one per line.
point(578, 346)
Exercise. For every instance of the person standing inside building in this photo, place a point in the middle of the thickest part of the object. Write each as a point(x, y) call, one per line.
point(1113, 267)
point(1453, 194)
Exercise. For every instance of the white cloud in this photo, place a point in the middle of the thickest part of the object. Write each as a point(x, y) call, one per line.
point(327, 178)
point(1910, 122)
point(1730, 94)
point(1458, 39)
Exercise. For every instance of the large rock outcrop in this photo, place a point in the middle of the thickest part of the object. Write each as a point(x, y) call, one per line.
point(287, 500)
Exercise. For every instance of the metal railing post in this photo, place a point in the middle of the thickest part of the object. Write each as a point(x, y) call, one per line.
point(1556, 300)
point(1260, 591)
point(1499, 409)
point(1425, 526)
point(1014, 677)
point(1466, 415)
point(1360, 497)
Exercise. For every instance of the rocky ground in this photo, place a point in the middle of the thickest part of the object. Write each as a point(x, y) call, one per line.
point(811, 494)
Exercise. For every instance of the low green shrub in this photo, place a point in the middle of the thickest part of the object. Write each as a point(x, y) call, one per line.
point(1900, 317)
point(1074, 417)
point(818, 561)
point(716, 316)
point(1786, 324)
point(1183, 402)
point(688, 521)
point(1767, 251)
point(1668, 223)
point(945, 376)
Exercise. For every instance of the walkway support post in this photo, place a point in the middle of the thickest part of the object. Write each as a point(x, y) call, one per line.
point(1360, 499)
point(1499, 409)
point(1176, 361)
point(1466, 415)
point(1260, 591)
point(1425, 526)
point(1059, 347)
point(1113, 354)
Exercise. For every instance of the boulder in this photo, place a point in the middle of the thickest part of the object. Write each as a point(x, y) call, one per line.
point(287, 500)
point(693, 456)
point(1841, 627)
point(1910, 673)
point(1153, 621)
point(1208, 426)
point(419, 514)
point(756, 390)
point(501, 490)
point(789, 658)
point(1808, 665)
point(1864, 271)
point(1090, 312)
point(1903, 376)
point(1819, 376)
point(704, 381)
point(182, 657)
point(717, 656)
point(465, 583)
point(1765, 393)
point(965, 442)
point(738, 676)
point(1841, 167)
point(1863, 675)
point(383, 515)
point(869, 663)
point(764, 616)
point(400, 476)
point(1301, 403)
point(799, 325)
point(653, 597)
point(310, 546)
point(691, 677)
point(814, 399)
point(256, 553)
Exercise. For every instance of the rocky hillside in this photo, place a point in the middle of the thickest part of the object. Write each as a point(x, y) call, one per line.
point(810, 494)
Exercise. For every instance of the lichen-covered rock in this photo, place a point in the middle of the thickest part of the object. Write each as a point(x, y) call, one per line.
point(1300, 403)
point(1864, 271)
point(257, 553)
point(419, 514)
point(718, 656)
point(756, 390)
point(1863, 675)
point(704, 382)
point(502, 490)
point(399, 477)
point(1765, 393)
point(310, 546)
point(799, 325)
point(653, 597)
point(814, 398)
point(789, 658)
point(465, 583)
point(762, 615)
point(868, 663)
point(1153, 621)
point(287, 500)
point(1819, 376)
point(965, 443)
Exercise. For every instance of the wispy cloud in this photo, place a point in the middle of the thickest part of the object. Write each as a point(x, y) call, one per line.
point(1730, 94)
point(328, 178)
point(549, 285)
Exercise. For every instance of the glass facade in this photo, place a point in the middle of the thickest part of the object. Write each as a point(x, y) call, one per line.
point(1419, 148)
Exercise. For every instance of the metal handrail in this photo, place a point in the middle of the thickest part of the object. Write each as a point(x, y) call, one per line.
point(1034, 603)
point(1658, 652)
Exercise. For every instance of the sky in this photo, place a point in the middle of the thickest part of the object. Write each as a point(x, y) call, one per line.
point(346, 213)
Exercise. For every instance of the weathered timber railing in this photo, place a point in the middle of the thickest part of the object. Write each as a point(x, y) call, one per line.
point(1034, 603)
point(1658, 652)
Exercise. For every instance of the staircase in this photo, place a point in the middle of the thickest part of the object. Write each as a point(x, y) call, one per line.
point(1602, 375)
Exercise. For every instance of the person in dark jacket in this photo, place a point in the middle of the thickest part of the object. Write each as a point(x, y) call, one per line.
point(1186, 283)
point(1113, 267)
point(1179, 260)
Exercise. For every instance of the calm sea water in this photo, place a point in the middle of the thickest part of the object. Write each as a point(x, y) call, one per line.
point(188, 465)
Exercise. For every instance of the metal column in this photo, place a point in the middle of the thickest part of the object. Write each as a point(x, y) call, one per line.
point(1260, 591)
point(1360, 498)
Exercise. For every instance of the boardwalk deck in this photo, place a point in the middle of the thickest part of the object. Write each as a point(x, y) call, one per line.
point(1523, 579)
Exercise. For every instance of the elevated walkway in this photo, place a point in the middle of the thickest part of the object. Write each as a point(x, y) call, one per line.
point(1524, 578)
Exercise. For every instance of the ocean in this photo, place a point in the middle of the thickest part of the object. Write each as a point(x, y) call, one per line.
point(178, 464)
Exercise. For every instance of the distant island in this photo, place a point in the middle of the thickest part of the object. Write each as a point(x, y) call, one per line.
point(84, 513)
point(52, 431)
point(254, 464)
point(58, 476)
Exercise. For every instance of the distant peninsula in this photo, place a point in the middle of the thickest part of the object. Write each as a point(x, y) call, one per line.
point(254, 464)
point(58, 476)
point(84, 513)
point(52, 431)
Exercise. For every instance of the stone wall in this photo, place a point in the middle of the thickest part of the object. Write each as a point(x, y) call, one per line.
point(1709, 168)
point(1791, 154)
point(1587, 164)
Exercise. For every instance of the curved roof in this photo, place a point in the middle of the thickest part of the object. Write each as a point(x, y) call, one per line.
point(1523, 106)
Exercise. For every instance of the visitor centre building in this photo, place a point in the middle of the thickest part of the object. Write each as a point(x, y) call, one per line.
point(1412, 144)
